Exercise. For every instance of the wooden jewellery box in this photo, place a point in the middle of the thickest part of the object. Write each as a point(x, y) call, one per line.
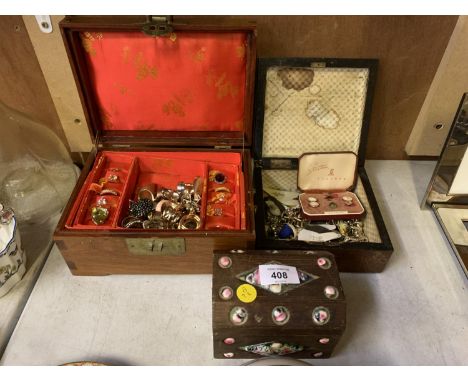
point(170, 112)
point(276, 303)
point(311, 126)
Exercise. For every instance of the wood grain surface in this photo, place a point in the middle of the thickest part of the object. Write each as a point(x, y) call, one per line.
point(443, 97)
point(409, 49)
point(102, 252)
point(23, 85)
point(57, 73)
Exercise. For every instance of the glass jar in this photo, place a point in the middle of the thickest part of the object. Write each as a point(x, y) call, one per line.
point(36, 171)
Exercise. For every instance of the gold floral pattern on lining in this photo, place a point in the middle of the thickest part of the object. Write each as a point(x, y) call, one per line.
point(177, 104)
point(173, 37)
point(88, 39)
point(121, 88)
point(199, 55)
point(240, 51)
point(223, 86)
point(125, 54)
point(143, 69)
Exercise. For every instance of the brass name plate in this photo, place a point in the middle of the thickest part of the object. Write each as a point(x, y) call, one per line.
point(281, 164)
point(156, 246)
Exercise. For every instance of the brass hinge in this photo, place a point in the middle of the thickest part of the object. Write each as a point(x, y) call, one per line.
point(158, 26)
point(318, 64)
point(223, 147)
point(97, 140)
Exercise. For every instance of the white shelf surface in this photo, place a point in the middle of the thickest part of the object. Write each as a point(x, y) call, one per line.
point(414, 313)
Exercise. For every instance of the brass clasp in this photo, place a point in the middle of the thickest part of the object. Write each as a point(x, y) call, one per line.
point(158, 26)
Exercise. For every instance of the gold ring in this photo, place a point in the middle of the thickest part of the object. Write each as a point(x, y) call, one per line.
point(222, 189)
point(99, 215)
point(113, 178)
point(109, 191)
point(132, 222)
point(147, 192)
point(190, 222)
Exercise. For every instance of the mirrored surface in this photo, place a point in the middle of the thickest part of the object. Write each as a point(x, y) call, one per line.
point(450, 179)
point(454, 222)
point(447, 193)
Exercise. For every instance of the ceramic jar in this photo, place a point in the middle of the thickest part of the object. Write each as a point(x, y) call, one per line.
point(12, 257)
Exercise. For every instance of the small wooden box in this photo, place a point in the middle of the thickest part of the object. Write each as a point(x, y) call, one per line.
point(165, 103)
point(316, 105)
point(303, 320)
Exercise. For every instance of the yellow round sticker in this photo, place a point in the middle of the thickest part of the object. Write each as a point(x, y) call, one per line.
point(246, 293)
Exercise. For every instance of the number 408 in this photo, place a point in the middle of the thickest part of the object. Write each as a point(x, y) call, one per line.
point(279, 275)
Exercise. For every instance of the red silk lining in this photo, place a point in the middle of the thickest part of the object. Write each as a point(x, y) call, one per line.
point(189, 81)
point(164, 170)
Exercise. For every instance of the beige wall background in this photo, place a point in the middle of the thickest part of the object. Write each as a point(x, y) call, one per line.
point(53, 59)
point(410, 49)
point(443, 97)
point(23, 87)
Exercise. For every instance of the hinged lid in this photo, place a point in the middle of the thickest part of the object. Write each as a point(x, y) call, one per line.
point(154, 82)
point(313, 105)
point(327, 171)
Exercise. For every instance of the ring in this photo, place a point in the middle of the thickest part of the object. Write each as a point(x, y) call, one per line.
point(175, 196)
point(140, 208)
point(197, 185)
point(147, 192)
point(131, 222)
point(113, 178)
point(217, 177)
point(190, 222)
point(221, 189)
point(149, 224)
point(165, 193)
point(95, 187)
point(188, 188)
point(109, 191)
point(348, 200)
point(102, 202)
point(160, 206)
point(332, 205)
point(180, 187)
point(99, 215)
point(220, 178)
point(221, 197)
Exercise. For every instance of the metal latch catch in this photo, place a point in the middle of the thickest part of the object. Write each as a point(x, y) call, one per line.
point(318, 64)
point(158, 26)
